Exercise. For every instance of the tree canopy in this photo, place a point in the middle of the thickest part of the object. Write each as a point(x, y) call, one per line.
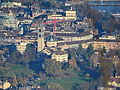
point(51, 66)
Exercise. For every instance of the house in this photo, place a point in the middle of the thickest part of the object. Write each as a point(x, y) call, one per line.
point(68, 37)
point(60, 55)
point(51, 41)
point(21, 47)
point(97, 44)
point(67, 15)
point(114, 81)
point(36, 13)
point(108, 44)
point(47, 51)
point(4, 85)
point(6, 5)
point(108, 37)
point(10, 20)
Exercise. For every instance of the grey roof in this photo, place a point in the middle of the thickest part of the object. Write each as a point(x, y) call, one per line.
point(72, 34)
point(84, 41)
point(51, 38)
point(74, 42)
point(60, 52)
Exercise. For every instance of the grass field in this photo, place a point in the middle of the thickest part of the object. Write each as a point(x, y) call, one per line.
point(11, 70)
point(68, 82)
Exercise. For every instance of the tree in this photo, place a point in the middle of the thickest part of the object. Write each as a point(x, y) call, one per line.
point(54, 86)
point(90, 50)
point(85, 55)
point(51, 66)
point(2, 62)
point(106, 66)
point(80, 47)
point(111, 22)
point(103, 50)
point(73, 63)
point(30, 54)
point(118, 69)
point(87, 61)
point(65, 66)
point(16, 56)
point(15, 81)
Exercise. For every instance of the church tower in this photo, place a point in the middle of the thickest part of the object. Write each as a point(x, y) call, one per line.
point(41, 43)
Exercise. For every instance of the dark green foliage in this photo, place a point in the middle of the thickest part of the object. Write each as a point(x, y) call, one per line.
point(51, 66)
point(15, 57)
point(66, 66)
point(85, 55)
point(30, 53)
point(90, 50)
point(104, 50)
point(11, 48)
point(80, 48)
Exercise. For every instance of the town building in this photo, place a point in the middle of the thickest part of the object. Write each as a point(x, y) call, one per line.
point(114, 81)
point(21, 47)
point(64, 15)
point(51, 41)
point(41, 41)
point(108, 37)
point(75, 36)
point(4, 85)
point(60, 55)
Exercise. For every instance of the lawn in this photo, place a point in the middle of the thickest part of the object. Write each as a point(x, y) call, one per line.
point(11, 70)
point(68, 82)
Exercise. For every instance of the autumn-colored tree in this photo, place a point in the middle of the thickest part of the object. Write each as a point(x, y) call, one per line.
point(106, 66)
point(94, 60)
point(72, 63)
point(15, 81)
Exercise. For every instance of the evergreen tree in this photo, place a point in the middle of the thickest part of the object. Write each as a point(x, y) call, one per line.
point(104, 50)
point(80, 48)
point(90, 50)
point(85, 55)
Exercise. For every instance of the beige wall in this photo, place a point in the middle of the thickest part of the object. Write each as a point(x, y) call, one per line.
point(21, 47)
point(78, 38)
point(41, 44)
point(60, 58)
point(51, 44)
